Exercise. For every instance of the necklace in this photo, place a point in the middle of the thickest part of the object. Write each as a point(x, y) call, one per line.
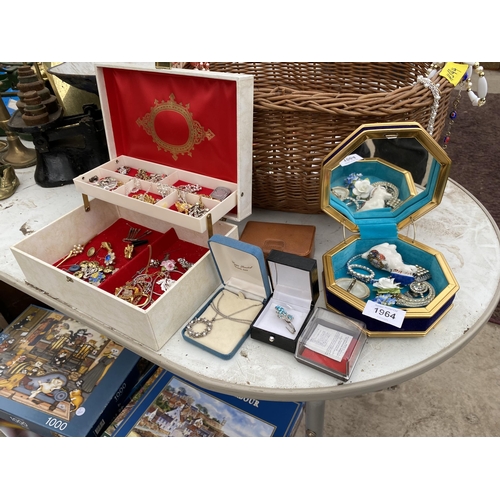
point(208, 323)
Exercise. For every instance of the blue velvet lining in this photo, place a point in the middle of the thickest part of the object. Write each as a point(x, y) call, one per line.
point(376, 171)
point(411, 255)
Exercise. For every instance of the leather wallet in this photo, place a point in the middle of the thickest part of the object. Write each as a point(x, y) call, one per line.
point(297, 239)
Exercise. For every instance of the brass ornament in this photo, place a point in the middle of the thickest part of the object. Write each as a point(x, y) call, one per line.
point(197, 133)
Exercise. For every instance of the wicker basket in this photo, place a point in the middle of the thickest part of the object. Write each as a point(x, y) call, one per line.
point(303, 110)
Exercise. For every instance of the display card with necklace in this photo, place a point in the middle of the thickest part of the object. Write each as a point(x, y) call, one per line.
point(224, 322)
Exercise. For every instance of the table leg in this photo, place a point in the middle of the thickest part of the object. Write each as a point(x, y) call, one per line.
point(315, 418)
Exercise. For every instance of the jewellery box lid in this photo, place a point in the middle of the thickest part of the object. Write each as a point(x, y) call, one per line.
point(401, 155)
point(200, 122)
point(240, 265)
point(294, 275)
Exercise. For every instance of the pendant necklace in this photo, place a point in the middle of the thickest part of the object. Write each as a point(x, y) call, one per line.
point(208, 323)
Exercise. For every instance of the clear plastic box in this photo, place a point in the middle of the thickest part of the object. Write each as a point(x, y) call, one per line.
point(331, 343)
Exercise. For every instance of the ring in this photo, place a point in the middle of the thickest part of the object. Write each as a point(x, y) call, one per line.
point(365, 278)
point(123, 170)
point(287, 318)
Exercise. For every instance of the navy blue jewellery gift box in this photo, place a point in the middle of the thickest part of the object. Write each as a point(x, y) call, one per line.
point(379, 180)
point(223, 323)
point(295, 292)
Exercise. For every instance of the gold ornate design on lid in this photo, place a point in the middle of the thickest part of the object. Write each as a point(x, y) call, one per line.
point(197, 133)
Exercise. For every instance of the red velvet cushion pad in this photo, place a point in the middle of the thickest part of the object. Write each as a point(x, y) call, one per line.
point(339, 366)
point(211, 102)
point(168, 246)
point(113, 235)
point(162, 245)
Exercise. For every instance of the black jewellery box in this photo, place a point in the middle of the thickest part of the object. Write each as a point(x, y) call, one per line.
point(295, 291)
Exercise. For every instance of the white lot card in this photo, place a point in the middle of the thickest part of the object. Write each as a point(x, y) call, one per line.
point(386, 314)
point(329, 342)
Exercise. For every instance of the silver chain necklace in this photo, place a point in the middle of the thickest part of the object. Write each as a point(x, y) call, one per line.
point(209, 322)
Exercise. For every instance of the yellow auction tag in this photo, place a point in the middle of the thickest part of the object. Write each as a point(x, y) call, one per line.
point(454, 72)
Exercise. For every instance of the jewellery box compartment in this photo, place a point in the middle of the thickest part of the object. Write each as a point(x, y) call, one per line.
point(172, 130)
point(223, 323)
point(331, 343)
point(39, 253)
point(350, 274)
point(295, 292)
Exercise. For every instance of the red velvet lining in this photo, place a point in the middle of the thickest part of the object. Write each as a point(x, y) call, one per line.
point(135, 195)
point(163, 246)
point(204, 191)
point(113, 235)
point(341, 367)
point(211, 102)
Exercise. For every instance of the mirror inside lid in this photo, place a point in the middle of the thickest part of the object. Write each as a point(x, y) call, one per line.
point(385, 174)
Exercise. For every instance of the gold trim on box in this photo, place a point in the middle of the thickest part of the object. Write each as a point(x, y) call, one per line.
point(400, 334)
point(415, 313)
point(197, 133)
point(403, 130)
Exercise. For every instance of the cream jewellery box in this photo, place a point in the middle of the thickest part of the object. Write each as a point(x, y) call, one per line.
point(135, 256)
point(223, 324)
point(379, 180)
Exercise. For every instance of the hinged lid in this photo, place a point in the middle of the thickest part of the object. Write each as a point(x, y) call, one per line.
point(403, 168)
point(240, 265)
point(293, 275)
point(192, 126)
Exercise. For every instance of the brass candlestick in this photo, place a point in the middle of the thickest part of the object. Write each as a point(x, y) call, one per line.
point(17, 155)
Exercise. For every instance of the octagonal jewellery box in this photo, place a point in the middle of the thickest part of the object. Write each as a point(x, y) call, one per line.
point(379, 180)
point(223, 323)
point(135, 255)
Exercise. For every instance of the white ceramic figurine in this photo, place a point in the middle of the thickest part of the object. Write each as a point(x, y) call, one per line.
point(378, 197)
point(386, 257)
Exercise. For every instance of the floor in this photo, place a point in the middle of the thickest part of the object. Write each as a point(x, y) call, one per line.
point(461, 397)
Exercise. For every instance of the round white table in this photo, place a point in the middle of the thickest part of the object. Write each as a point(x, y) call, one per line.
point(460, 228)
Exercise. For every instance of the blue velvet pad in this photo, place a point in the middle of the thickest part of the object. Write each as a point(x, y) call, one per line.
point(373, 221)
point(411, 255)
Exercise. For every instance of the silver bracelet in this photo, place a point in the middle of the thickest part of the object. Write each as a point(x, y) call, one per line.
point(365, 278)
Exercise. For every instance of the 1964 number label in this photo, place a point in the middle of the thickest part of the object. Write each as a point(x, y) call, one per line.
point(386, 314)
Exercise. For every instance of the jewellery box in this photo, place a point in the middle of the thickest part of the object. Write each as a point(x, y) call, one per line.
point(331, 343)
point(379, 180)
point(179, 138)
point(223, 323)
point(291, 238)
point(295, 291)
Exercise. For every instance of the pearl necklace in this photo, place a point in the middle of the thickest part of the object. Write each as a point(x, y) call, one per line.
point(466, 84)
